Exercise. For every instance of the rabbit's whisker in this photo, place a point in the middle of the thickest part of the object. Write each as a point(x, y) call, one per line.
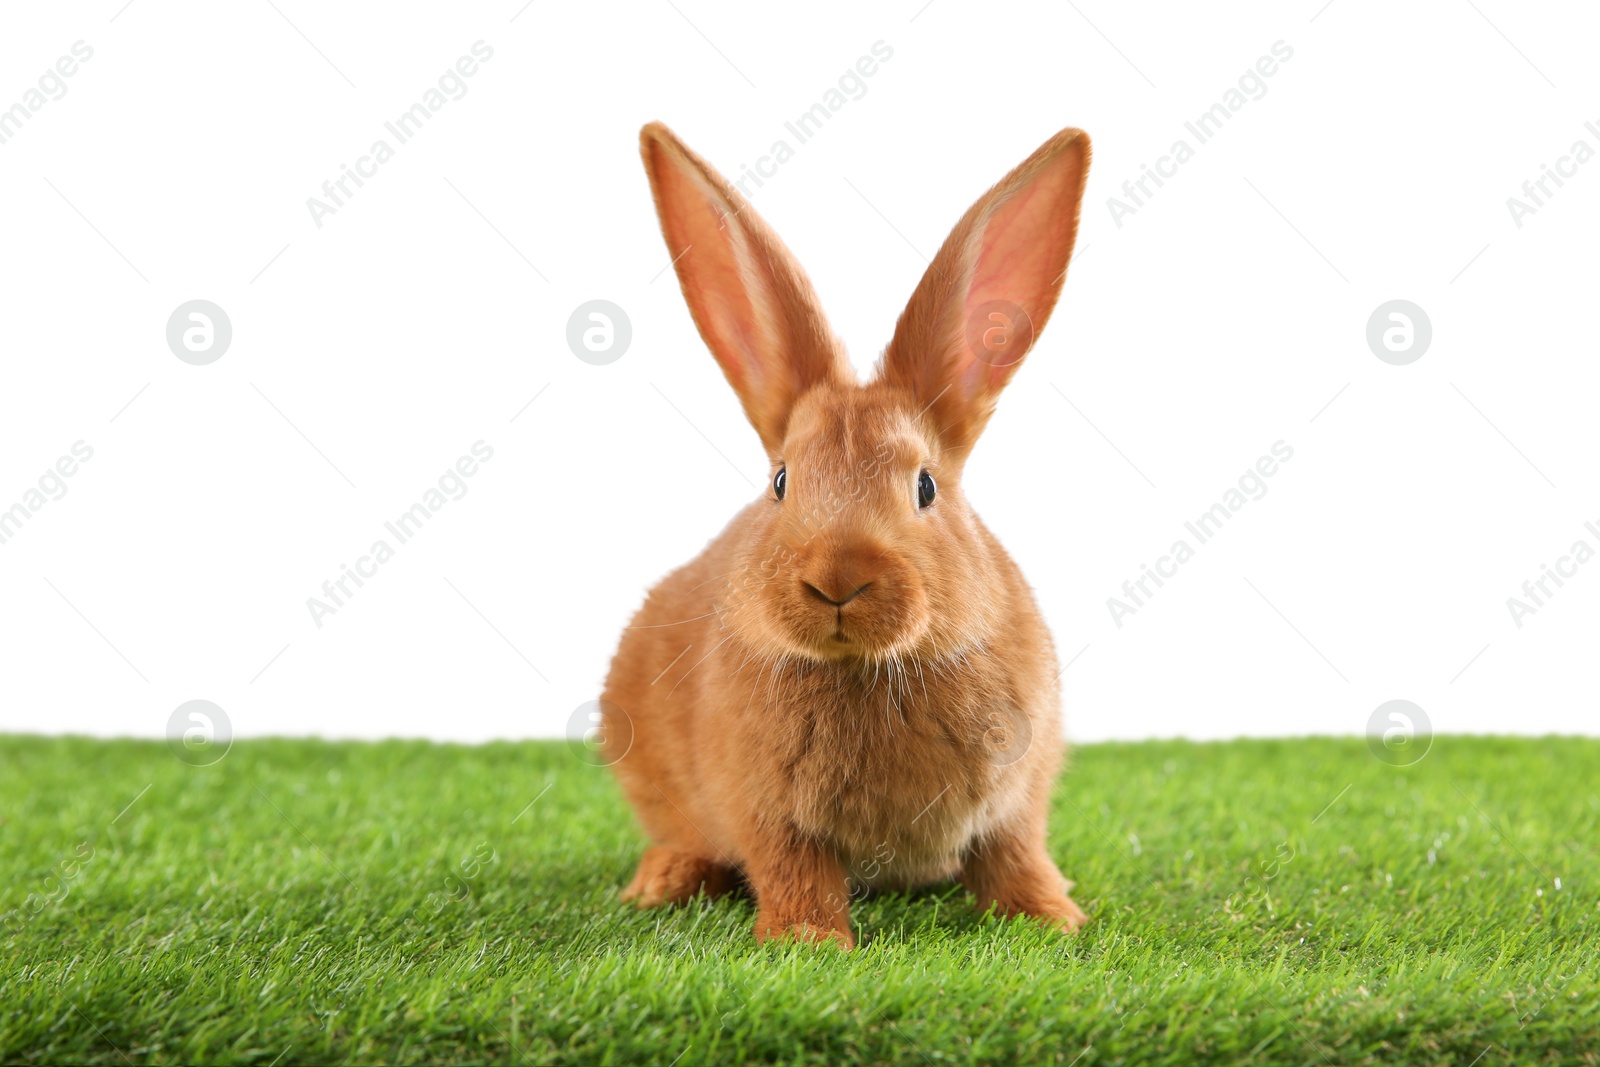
point(701, 660)
point(680, 622)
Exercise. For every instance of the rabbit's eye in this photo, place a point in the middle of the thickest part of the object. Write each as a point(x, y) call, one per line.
point(780, 481)
point(925, 489)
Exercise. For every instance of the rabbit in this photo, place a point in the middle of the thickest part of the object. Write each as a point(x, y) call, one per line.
point(851, 686)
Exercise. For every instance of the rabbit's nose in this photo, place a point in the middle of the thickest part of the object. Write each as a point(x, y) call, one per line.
point(837, 602)
point(841, 575)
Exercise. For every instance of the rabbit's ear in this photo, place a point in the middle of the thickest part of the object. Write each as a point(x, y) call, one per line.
point(750, 299)
point(990, 290)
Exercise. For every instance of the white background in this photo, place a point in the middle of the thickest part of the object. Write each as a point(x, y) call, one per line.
point(420, 318)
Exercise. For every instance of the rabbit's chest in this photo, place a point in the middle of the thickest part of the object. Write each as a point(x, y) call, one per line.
point(901, 791)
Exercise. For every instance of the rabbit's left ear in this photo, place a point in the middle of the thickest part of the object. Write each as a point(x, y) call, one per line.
point(990, 290)
point(752, 302)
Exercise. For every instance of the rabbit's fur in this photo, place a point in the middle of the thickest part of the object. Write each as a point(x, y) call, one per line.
point(848, 688)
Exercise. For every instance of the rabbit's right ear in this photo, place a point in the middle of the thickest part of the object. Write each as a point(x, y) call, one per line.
point(990, 290)
point(751, 301)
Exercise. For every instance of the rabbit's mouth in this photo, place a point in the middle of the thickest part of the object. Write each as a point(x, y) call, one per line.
point(834, 638)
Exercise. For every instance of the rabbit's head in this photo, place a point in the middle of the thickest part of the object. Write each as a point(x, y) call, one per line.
point(864, 546)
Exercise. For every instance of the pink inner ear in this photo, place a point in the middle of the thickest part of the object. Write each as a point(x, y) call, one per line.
point(1023, 252)
point(703, 245)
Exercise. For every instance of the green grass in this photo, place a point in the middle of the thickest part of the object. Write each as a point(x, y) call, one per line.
point(402, 902)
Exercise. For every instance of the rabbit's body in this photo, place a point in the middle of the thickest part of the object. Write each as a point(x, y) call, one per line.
point(851, 685)
point(899, 768)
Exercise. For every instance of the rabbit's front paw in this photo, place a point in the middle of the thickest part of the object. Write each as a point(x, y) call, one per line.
point(667, 876)
point(1063, 914)
point(776, 930)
